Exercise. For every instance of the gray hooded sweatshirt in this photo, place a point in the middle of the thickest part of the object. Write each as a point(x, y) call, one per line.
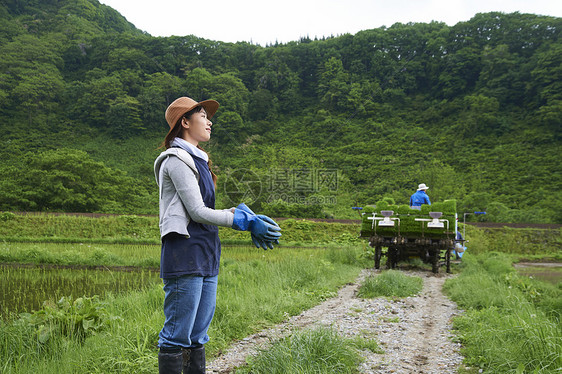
point(180, 198)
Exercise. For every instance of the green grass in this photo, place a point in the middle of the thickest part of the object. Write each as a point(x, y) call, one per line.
point(66, 228)
point(520, 242)
point(257, 289)
point(390, 283)
point(131, 229)
point(511, 323)
point(319, 350)
point(92, 254)
point(138, 230)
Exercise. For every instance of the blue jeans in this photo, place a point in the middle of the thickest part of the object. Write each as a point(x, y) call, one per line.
point(189, 306)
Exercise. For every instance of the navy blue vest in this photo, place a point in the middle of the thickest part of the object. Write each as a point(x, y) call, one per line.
point(200, 253)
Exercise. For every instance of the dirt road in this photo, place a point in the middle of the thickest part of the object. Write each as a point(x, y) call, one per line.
point(413, 332)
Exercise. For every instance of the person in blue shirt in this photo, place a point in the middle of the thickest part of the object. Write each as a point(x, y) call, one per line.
point(420, 197)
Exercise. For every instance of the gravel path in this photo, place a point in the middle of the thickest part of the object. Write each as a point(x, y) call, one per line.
point(413, 332)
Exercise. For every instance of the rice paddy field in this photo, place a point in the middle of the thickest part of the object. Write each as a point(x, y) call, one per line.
point(93, 254)
point(44, 272)
point(28, 288)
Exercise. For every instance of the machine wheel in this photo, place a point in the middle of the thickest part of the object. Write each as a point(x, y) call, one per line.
point(448, 260)
point(423, 254)
point(434, 254)
point(378, 255)
point(392, 257)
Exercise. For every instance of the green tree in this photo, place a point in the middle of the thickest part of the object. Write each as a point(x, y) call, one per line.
point(31, 80)
point(332, 85)
point(503, 75)
point(158, 91)
point(70, 180)
point(123, 117)
point(473, 109)
point(444, 181)
point(480, 115)
point(548, 83)
point(95, 97)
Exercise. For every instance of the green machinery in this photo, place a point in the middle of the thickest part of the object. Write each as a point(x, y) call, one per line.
point(401, 232)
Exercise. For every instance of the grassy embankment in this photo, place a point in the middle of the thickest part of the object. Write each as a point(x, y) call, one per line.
point(130, 229)
point(518, 243)
point(512, 323)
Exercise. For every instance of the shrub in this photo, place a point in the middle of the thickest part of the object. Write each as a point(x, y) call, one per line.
point(69, 318)
point(7, 216)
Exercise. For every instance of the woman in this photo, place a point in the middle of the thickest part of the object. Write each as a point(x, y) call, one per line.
point(191, 248)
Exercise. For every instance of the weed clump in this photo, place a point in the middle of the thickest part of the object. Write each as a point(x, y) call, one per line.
point(319, 350)
point(390, 283)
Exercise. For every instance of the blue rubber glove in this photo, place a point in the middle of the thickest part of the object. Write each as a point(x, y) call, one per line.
point(265, 231)
point(245, 208)
point(245, 221)
point(269, 220)
point(266, 243)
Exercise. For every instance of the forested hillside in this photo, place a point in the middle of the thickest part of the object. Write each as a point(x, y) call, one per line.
point(307, 128)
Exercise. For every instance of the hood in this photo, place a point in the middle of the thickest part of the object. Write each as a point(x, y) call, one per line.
point(179, 153)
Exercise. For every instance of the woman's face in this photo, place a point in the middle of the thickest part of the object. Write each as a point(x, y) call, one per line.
point(197, 128)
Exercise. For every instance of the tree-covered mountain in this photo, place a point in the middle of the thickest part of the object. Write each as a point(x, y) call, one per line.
point(307, 128)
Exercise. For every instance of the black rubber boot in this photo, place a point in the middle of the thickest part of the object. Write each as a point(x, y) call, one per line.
point(194, 360)
point(170, 360)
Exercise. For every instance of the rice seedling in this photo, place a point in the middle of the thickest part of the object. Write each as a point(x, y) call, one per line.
point(28, 288)
point(93, 254)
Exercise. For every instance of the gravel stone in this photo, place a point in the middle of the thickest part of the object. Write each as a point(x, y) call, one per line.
point(414, 332)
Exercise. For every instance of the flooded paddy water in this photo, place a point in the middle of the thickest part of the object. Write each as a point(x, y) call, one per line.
point(545, 271)
point(24, 288)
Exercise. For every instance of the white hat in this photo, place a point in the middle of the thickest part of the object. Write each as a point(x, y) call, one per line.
point(422, 186)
